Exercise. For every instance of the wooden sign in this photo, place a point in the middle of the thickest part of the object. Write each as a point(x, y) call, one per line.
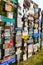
point(8, 7)
point(7, 27)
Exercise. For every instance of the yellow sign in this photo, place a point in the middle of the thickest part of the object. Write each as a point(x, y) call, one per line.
point(36, 25)
point(25, 37)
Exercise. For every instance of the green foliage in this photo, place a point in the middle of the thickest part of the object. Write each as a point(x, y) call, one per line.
point(2, 23)
point(36, 59)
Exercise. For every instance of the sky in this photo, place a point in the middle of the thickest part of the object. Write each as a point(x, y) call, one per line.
point(40, 3)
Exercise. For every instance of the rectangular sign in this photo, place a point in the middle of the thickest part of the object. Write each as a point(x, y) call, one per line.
point(29, 55)
point(35, 30)
point(7, 52)
point(30, 48)
point(19, 22)
point(15, 1)
point(10, 15)
point(8, 23)
point(24, 57)
point(35, 47)
point(25, 32)
point(5, 19)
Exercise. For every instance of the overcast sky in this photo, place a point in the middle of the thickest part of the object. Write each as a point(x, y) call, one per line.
point(40, 3)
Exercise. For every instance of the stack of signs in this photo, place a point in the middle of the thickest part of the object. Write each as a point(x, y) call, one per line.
point(19, 31)
point(30, 40)
point(19, 22)
point(30, 29)
point(18, 44)
point(19, 16)
point(18, 39)
point(8, 24)
point(25, 34)
point(8, 35)
point(25, 37)
point(35, 39)
point(6, 46)
point(7, 38)
point(0, 43)
point(36, 30)
point(27, 28)
point(36, 34)
point(40, 30)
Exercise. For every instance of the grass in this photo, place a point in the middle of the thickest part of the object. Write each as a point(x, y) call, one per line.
point(36, 59)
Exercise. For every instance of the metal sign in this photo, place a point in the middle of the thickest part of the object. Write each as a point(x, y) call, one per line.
point(5, 19)
point(15, 1)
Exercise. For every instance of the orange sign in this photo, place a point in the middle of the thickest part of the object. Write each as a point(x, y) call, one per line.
point(36, 25)
point(8, 7)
